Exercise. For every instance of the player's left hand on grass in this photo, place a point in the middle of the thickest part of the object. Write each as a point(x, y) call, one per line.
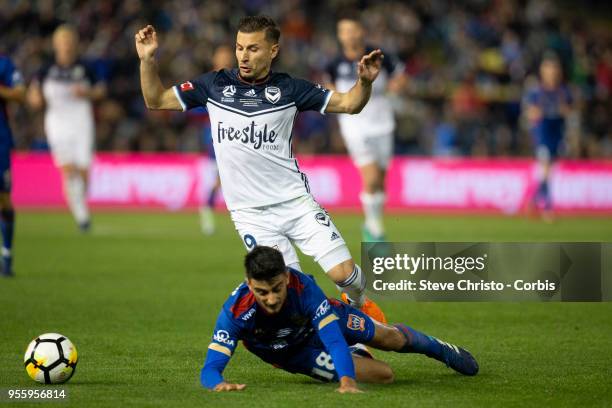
point(229, 387)
point(369, 66)
point(348, 386)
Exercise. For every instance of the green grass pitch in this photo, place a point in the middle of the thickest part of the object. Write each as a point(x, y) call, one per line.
point(139, 297)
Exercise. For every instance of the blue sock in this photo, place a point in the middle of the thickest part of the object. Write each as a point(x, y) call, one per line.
point(7, 226)
point(417, 342)
point(543, 194)
point(546, 195)
point(210, 202)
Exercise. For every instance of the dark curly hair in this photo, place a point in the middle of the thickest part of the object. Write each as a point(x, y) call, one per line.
point(264, 263)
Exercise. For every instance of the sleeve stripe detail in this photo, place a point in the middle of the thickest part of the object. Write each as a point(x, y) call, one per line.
point(332, 317)
point(220, 349)
point(329, 95)
point(178, 97)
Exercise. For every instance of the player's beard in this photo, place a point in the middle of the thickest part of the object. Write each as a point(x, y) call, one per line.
point(249, 75)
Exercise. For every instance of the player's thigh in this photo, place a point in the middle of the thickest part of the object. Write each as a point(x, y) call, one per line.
point(383, 145)
point(312, 230)
point(370, 370)
point(255, 227)
point(359, 147)
point(317, 363)
point(62, 150)
point(83, 151)
point(313, 361)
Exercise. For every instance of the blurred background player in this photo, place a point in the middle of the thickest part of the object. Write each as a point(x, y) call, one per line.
point(368, 136)
point(547, 105)
point(66, 89)
point(223, 58)
point(11, 89)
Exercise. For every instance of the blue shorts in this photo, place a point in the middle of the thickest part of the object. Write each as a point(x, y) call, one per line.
point(312, 359)
point(548, 137)
point(5, 170)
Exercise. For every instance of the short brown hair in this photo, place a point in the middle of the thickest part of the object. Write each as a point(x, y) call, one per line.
point(351, 15)
point(253, 24)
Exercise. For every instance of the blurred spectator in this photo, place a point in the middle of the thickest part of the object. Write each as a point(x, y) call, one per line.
point(475, 54)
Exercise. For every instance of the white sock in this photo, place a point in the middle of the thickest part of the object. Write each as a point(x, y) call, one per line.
point(354, 287)
point(373, 205)
point(77, 199)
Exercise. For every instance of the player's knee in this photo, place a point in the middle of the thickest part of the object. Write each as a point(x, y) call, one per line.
point(373, 184)
point(390, 377)
point(370, 188)
point(386, 375)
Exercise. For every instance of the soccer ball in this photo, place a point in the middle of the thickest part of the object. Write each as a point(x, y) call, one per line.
point(50, 359)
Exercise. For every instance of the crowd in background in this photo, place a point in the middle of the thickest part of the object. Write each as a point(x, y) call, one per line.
point(467, 65)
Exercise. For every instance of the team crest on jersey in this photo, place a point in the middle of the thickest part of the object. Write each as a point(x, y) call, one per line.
point(186, 86)
point(229, 91)
point(322, 219)
point(355, 322)
point(272, 93)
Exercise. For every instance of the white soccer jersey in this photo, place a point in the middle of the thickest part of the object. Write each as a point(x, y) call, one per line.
point(376, 118)
point(67, 115)
point(251, 126)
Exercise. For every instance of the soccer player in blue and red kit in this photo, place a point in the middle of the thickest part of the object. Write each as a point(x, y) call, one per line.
point(547, 106)
point(283, 317)
point(11, 89)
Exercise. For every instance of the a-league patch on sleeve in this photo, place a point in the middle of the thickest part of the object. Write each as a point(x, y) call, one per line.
point(355, 322)
point(186, 86)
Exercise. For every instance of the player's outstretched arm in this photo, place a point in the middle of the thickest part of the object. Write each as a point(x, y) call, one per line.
point(155, 95)
point(34, 96)
point(356, 98)
point(15, 94)
point(95, 93)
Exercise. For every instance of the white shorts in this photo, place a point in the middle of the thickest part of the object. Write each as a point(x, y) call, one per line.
point(300, 221)
point(76, 150)
point(369, 148)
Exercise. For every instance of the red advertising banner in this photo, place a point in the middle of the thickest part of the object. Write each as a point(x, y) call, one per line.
point(177, 181)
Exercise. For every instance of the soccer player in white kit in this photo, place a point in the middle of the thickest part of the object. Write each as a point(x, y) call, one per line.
point(252, 111)
point(368, 136)
point(66, 90)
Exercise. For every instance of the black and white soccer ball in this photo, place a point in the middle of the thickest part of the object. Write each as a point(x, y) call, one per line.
point(50, 359)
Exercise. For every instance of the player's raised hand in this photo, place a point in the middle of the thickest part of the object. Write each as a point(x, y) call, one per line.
point(369, 66)
point(229, 387)
point(146, 42)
